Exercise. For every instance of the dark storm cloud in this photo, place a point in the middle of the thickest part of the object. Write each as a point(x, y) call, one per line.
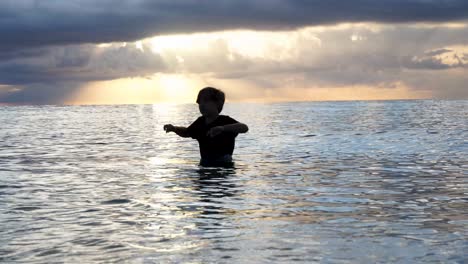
point(26, 23)
point(40, 93)
point(51, 75)
point(22, 53)
point(80, 63)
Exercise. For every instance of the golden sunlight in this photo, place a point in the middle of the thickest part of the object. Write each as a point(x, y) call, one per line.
point(168, 88)
point(177, 88)
point(243, 91)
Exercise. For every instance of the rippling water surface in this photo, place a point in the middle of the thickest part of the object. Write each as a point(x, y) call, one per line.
point(329, 182)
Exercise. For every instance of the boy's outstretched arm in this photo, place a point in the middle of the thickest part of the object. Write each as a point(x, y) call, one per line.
point(234, 128)
point(181, 131)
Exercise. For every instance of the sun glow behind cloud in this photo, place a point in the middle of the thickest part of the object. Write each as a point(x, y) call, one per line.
point(275, 66)
point(255, 44)
point(182, 87)
point(170, 88)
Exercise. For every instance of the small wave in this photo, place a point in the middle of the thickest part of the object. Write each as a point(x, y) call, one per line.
point(10, 186)
point(116, 201)
point(49, 252)
point(26, 208)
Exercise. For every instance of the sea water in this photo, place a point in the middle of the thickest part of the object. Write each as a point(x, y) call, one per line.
point(328, 182)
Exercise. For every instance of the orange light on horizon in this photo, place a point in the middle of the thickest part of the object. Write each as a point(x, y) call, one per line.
point(167, 88)
point(179, 89)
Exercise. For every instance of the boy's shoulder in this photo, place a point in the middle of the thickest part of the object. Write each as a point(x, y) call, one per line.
point(220, 120)
point(226, 119)
point(220, 117)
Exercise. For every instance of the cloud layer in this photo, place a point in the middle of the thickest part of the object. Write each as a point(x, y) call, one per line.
point(31, 23)
point(51, 49)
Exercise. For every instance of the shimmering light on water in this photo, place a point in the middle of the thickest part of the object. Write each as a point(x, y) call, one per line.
point(356, 182)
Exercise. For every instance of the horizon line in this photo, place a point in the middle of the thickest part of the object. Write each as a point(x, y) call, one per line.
point(231, 102)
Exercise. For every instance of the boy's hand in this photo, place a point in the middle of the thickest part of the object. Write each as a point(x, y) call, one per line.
point(169, 128)
point(214, 131)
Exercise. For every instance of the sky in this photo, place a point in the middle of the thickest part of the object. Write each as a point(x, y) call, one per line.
point(150, 51)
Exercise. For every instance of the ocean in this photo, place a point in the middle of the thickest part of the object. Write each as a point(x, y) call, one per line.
point(313, 182)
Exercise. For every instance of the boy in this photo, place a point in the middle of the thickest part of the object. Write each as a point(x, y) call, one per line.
point(215, 133)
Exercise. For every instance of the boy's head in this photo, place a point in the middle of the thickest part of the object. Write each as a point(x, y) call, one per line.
point(210, 100)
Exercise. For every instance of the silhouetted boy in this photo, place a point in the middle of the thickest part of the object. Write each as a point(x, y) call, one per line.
point(215, 133)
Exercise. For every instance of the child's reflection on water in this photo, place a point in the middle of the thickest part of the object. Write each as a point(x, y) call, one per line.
point(215, 182)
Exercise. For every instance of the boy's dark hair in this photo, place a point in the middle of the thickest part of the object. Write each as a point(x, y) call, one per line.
point(213, 94)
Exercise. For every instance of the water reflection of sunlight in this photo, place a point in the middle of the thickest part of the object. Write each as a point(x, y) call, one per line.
point(168, 228)
point(164, 161)
point(169, 112)
point(163, 247)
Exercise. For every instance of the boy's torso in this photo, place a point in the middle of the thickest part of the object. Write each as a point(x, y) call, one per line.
point(217, 146)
